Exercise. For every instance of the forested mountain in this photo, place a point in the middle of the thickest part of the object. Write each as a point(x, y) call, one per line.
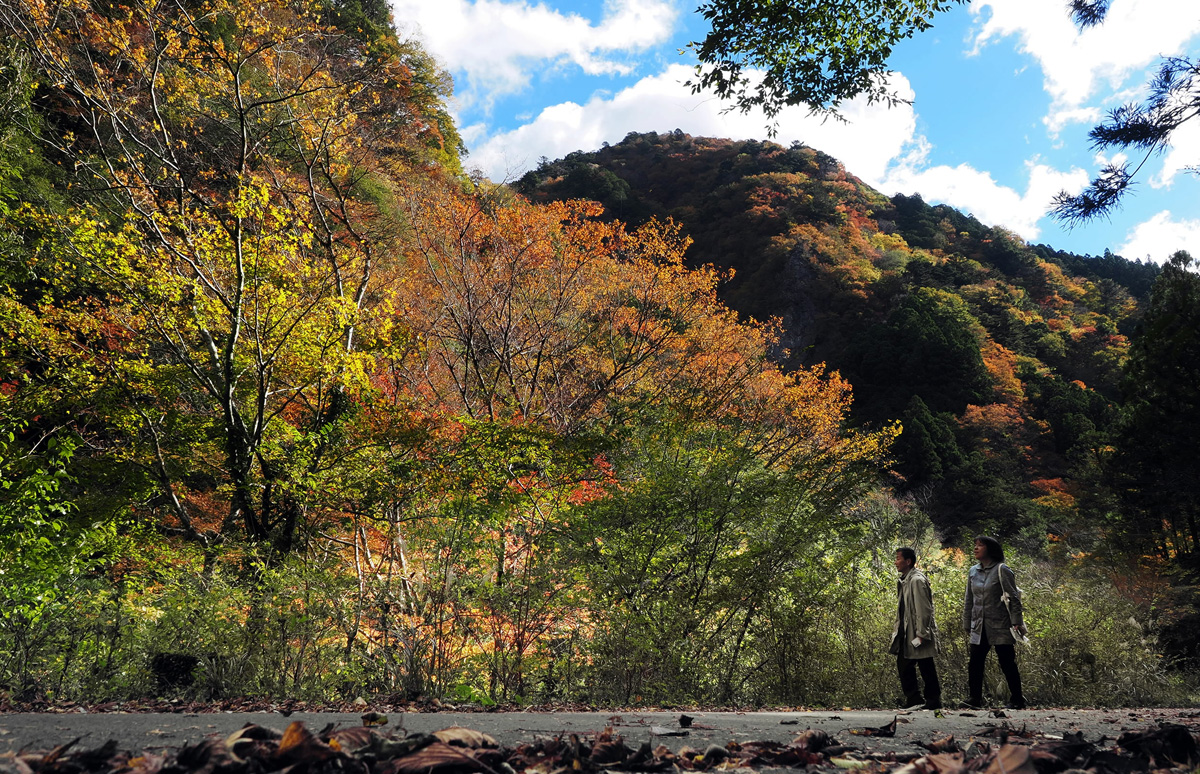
point(1001, 359)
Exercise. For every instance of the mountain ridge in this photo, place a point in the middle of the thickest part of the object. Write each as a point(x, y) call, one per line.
point(1002, 359)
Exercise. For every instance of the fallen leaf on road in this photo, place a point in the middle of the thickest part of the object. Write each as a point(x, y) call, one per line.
point(610, 748)
point(849, 763)
point(459, 736)
point(437, 757)
point(888, 730)
point(943, 763)
point(946, 744)
point(1011, 759)
point(812, 739)
point(348, 739)
point(299, 745)
point(977, 749)
point(1004, 731)
point(145, 764)
point(1170, 743)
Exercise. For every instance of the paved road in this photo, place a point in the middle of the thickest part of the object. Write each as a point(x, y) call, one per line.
point(150, 731)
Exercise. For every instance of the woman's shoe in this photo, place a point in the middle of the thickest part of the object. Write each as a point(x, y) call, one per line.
point(972, 704)
point(1015, 705)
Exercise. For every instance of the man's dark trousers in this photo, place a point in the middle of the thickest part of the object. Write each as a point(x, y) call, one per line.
point(907, 668)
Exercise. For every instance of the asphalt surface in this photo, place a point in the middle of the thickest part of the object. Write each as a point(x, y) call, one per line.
point(136, 732)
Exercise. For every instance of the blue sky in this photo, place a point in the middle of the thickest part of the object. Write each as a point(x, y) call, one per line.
point(1003, 93)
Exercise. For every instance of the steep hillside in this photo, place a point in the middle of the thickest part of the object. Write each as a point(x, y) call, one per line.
point(1001, 359)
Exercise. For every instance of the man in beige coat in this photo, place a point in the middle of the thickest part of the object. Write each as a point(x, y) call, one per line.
point(914, 639)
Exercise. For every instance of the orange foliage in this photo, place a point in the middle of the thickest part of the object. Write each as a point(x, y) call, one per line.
point(548, 315)
point(1053, 493)
point(996, 423)
point(1001, 364)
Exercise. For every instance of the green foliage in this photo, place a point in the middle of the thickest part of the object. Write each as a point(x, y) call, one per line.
point(367, 20)
point(822, 640)
point(930, 346)
point(1156, 465)
point(688, 564)
point(51, 559)
point(918, 222)
point(927, 449)
point(816, 54)
point(1091, 643)
point(15, 89)
point(1075, 414)
point(1136, 276)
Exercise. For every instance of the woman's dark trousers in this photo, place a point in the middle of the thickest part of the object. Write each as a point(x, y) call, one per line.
point(1007, 656)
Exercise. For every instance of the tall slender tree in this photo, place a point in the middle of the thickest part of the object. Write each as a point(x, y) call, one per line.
point(1156, 463)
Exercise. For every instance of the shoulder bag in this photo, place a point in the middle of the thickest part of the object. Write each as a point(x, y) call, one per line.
point(1005, 597)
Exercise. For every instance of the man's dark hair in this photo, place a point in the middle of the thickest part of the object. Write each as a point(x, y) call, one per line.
point(995, 551)
point(907, 553)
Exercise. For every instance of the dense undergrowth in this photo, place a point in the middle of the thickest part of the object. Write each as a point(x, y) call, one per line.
point(307, 630)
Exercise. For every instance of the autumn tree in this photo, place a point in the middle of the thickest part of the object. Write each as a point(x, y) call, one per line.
point(567, 363)
point(220, 277)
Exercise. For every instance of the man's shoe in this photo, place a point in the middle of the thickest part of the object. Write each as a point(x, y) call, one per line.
point(1015, 705)
point(971, 704)
point(914, 707)
point(931, 706)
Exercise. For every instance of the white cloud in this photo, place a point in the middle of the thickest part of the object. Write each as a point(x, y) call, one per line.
point(867, 144)
point(1160, 237)
point(1077, 64)
point(1184, 154)
point(498, 44)
point(979, 193)
point(1060, 117)
point(1117, 159)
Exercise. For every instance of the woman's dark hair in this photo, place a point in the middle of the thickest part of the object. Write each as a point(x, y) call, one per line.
point(995, 551)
